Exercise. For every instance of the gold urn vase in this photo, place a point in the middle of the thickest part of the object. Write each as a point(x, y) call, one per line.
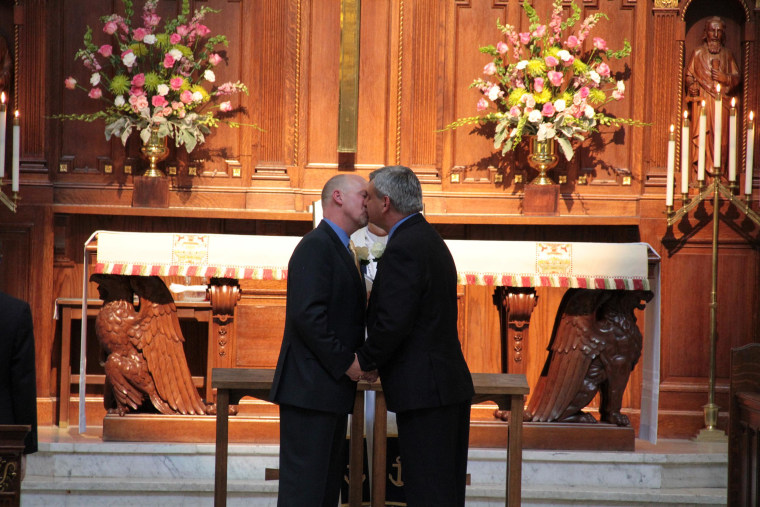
point(155, 150)
point(542, 157)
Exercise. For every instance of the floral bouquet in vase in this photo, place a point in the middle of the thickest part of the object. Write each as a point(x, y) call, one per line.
point(543, 83)
point(157, 81)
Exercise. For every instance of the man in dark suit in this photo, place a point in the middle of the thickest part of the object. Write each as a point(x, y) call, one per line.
point(413, 342)
point(324, 325)
point(18, 381)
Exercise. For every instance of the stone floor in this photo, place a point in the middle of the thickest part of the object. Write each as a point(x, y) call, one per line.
point(82, 470)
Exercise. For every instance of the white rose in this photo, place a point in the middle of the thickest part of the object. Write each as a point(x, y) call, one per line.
point(377, 249)
point(589, 112)
point(209, 76)
point(162, 89)
point(560, 105)
point(621, 86)
point(564, 55)
point(149, 39)
point(176, 54)
point(197, 96)
point(95, 79)
point(594, 76)
point(535, 116)
point(493, 93)
point(118, 101)
point(129, 59)
point(522, 64)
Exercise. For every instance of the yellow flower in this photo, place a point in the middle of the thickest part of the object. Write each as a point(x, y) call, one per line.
point(515, 95)
point(536, 67)
point(543, 96)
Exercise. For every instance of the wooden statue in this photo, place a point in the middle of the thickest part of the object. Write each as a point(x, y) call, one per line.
point(594, 346)
point(144, 347)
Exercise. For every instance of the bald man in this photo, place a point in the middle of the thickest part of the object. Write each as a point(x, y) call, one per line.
point(324, 326)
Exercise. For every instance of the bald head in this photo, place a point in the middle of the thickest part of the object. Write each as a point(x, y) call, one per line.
point(343, 203)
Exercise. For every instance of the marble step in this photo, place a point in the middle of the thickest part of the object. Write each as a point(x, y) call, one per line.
point(146, 474)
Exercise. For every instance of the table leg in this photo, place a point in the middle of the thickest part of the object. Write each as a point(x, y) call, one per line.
point(222, 426)
point(64, 398)
point(380, 434)
point(356, 456)
point(514, 452)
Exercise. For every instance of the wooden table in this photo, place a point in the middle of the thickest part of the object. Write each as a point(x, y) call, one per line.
point(506, 390)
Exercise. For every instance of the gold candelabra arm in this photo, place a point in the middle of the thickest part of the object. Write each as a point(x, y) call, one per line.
point(11, 202)
point(739, 203)
point(704, 192)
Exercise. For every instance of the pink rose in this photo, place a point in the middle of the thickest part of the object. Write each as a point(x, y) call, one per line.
point(158, 101)
point(530, 102)
point(168, 61)
point(568, 61)
point(489, 69)
point(603, 70)
point(524, 37)
point(140, 34)
point(600, 44)
point(138, 80)
point(202, 30)
point(106, 50)
point(482, 104)
point(175, 38)
point(501, 47)
point(183, 30)
point(110, 27)
point(227, 106)
point(214, 59)
point(186, 96)
point(538, 84)
point(151, 19)
point(70, 83)
point(136, 91)
point(548, 109)
point(572, 41)
point(551, 61)
point(177, 105)
point(540, 31)
point(555, 78)
point(176, 83)
point(617, 95)
point(583, 92)
point(95, 93)
point(515, 111)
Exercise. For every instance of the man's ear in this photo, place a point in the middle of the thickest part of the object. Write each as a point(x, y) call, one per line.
point(337, 196)
point(386, 203)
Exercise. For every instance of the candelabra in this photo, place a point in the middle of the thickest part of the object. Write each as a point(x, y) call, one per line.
point(715, 190)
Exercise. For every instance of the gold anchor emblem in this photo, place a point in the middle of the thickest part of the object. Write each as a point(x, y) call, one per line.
point(398, 481)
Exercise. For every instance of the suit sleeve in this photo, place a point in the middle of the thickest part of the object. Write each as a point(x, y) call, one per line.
point(310, 279)
point(24, 379)
point(397, 291)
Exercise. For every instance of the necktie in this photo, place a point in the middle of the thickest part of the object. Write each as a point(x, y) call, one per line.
point(352, 248)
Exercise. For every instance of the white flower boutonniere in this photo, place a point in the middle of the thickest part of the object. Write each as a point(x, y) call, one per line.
point(362, 253)
point(377, 249)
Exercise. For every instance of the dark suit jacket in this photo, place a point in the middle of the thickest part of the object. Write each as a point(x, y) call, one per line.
point(324, 325)
point(18, 381)
point(412, 322)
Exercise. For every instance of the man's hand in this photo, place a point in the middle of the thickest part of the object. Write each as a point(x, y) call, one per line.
point(356, 373)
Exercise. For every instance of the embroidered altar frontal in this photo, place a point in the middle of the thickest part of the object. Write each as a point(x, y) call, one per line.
point(621, 266)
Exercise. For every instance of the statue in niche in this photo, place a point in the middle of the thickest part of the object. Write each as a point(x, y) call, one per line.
point(594, 346)
point(144, 347)
point(709, 65)
point(6, 66)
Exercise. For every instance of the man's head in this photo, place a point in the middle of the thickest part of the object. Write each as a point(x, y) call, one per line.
point(343, 201)
point(394, 193)
point(715, 34)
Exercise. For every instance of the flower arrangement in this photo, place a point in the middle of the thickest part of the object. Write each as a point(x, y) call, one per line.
point(541, 82)
point(156, 79)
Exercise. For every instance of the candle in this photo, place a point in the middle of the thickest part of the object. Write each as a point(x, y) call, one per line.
point(3, 120)
point(750, 154)
point(717, 127)
point(685, 144)
point(732, 142)
point(16, 152)
point(671, 168)
point(702, 135)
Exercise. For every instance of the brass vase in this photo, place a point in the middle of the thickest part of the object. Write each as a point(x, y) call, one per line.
point(542, 157)
point(155, 150)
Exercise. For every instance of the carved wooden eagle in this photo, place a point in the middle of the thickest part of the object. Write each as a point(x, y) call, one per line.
point(144, 346)
point(594, 346)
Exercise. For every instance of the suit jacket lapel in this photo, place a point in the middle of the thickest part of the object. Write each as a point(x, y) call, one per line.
point(345, 256)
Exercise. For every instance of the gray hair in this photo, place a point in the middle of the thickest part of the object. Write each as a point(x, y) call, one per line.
point(401, 185)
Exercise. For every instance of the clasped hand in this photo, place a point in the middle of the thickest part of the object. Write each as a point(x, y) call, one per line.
point(356, 373)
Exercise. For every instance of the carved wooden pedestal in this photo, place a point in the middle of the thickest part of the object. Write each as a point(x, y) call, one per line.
point(11, 449)
point(150, 192)
point(541, 200)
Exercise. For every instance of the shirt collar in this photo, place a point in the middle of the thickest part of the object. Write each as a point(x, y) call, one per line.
point(393, 229)
point(340, 232)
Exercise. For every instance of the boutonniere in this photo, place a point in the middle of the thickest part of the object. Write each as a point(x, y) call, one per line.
point(377, 249)
point(362, 253)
